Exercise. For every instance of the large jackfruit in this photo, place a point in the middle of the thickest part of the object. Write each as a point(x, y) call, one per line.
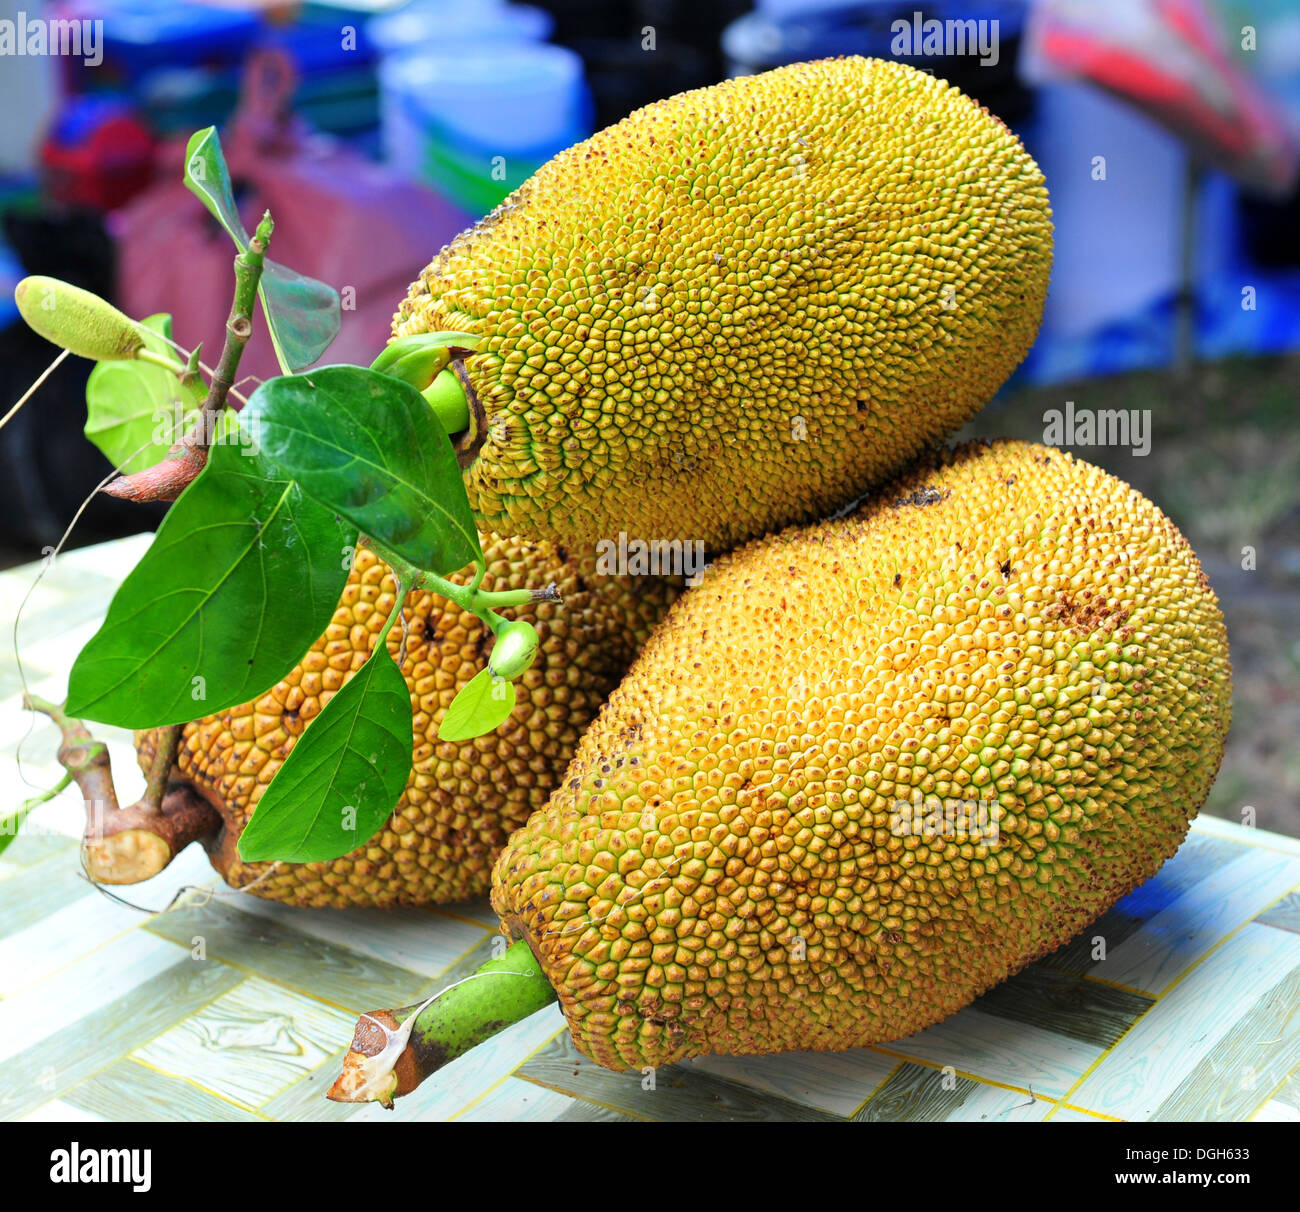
point(741, 307)
point(462, 799)
point(868, 769)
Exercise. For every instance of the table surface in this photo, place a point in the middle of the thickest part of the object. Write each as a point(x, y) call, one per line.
point(227, 1007)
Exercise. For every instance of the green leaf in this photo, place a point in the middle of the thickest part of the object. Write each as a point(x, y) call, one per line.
point(136, 410)
point(302, 314)
point(369, 446)
point(207, 176)
point(343, 777)
point(484, 704)
point(242, 578)
point(11, 824)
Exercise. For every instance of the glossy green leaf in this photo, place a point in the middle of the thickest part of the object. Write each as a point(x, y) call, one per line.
point(302, 314)
point(483, 704)
point(243, 576)
point(368, 446)
point(343, 777)
point(207, 176)
point(136, 410)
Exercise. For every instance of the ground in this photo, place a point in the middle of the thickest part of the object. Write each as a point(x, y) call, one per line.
point(1224, 464)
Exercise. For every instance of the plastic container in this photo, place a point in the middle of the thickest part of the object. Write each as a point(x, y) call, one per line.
point(141, 36)
point(476, 122)
point(432, 26)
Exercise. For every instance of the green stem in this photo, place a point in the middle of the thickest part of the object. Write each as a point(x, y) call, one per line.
point(169, 740)
point(169, 477)
point(393, 1051)
point(148, 355)
point(471, 598)
point(11, 824)
point(239, 324)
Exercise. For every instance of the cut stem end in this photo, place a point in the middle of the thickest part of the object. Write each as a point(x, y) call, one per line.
point(393, 1051)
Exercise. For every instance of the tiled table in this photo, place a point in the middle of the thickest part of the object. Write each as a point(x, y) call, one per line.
point(229, 1007)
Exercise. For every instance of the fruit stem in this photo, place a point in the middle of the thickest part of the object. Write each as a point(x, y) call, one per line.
point(393, 1051)
point(167, 479)
point(446, 397)
point(474, 600)
point(157, 359)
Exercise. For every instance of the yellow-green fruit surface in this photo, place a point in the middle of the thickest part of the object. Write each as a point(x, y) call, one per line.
point(462, 799)
point(742, 306)
point(866, 770)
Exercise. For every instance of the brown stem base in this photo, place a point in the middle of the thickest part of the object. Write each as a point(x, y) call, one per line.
point(136, 843)
point(127, 845)
point(165, 480)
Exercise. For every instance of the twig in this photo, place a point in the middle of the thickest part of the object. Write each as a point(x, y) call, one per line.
point(166, 480)
point(83, 757)
point(163, 760)
point(31, 391)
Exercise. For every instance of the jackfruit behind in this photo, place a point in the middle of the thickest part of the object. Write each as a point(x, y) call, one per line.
point(740, 307)
point(462, 799)
point(868, 769)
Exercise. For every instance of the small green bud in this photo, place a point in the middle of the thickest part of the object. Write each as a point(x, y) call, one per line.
point(418, 367)
point(514, 651)
point(79, 321)
point(418, 359)
point(446, 397)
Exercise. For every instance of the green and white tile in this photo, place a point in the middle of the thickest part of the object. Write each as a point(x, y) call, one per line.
point(250, 1043)
point(1157, 1061)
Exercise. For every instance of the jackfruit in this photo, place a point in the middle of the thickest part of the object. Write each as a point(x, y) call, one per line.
point(740, 307)
point(462, 800)
point(868, 769)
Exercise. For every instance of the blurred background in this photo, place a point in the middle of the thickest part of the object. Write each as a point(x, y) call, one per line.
point(1167, 130)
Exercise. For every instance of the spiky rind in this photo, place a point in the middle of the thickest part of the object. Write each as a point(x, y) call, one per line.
point(1011, 634)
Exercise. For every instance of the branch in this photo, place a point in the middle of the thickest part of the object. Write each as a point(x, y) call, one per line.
point(127, 845)
point(83, 757)
point(166, 480)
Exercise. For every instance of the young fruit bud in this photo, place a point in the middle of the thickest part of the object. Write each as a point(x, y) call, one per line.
point(418, 359)
point(446, 397)
point(81, 322)
point(418, 367)
point(514, 651)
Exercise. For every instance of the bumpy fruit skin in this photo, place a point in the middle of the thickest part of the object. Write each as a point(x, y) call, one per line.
point(727, 866)
point(462, 800)
point(743, 306)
